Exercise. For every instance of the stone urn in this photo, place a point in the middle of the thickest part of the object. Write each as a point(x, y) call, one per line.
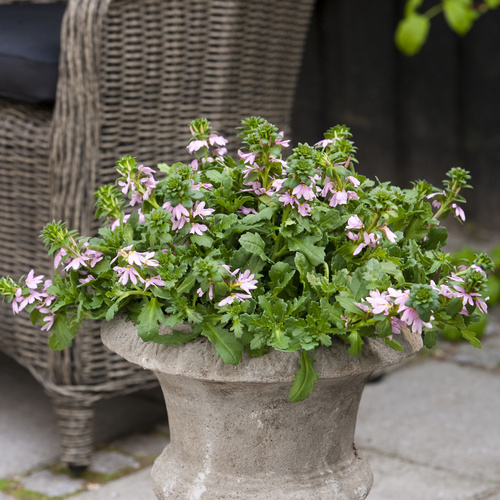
point(234, 433)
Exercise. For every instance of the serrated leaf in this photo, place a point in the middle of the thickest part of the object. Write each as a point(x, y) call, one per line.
point(411, 33)
point(253, 243)
point(306, 245)
point(305, 378)
point(429, 338)
point(347, 303)
point(280, 273)
point(148, 320)
point(227, 346)
point(202, 240)
point(471, 337)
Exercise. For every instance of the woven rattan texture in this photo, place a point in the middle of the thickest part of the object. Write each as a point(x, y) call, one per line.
point(132, 75)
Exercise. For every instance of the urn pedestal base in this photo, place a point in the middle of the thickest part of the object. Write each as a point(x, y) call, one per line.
point(234, 433)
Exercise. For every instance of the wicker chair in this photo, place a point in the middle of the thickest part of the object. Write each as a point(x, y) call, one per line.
point(132, 74)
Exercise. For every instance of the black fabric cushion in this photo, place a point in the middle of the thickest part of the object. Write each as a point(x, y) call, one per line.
point(29, 50)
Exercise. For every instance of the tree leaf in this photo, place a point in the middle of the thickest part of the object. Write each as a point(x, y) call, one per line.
point(305, 378)
point(227, 346)
point(411, 33)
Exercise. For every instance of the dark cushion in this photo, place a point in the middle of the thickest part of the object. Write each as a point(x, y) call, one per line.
point(29, 50)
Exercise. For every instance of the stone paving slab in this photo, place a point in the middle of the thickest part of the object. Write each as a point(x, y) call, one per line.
point(50, 484)
point(136, 486)
point(28, 434)
point(395, 479)
point(435, 414)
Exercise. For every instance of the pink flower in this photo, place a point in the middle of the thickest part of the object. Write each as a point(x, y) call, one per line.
point(218, 140)
point(389, 234)
point(128, 184)
point(287, 199)
point(246, 211)
point(77, 262)
point(353, 181)
point(201, 211)
point(196, 145)
point(246, 281)
point(154, 281)
point(304, 209)
point(304, 191)
point(338, 198)
point(459, 213)
point(179, 210)
point(234, 296)
point(179, 224)
point(369, 240)
point(59, 255)
point(86, 280)
point(247, 157)
point(354, 222)
point(325, 142)
point(128, 273)
point(281, 142)
point(198, 229)
point(32, 281)
point(379, 302)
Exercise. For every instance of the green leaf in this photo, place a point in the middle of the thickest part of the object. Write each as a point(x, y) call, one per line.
point(305, 245)
point(305, 378)
point(303, 266)
point(459, 15)
point(110, 313)
point(253, 243)
point(264, 214)
point(454, 306)
point(429, 338)
point(356, 342)
point(187, 284)
point(393, 344)
point(384, 328)
point(62, 335)
point(148, 320)
point(202, 240)
point(412, 33)
point(227, 346)
point(471, 337)
point(176, 337)
point(280, 273)
point(412, 5)
point(347, 303)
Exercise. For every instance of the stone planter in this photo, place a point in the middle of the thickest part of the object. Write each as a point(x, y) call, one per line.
point(235, 435)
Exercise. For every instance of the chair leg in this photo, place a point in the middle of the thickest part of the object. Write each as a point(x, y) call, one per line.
point(75, 419)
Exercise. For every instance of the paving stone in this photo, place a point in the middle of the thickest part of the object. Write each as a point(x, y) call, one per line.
point(110, 462)
point(136, 486)
point(396, 480)
point(143, 445)
point(51, 484)
point(436, 414)
point(3, 496)
point(29, 437)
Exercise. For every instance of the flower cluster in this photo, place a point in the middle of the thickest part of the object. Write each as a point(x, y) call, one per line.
point(262, 251)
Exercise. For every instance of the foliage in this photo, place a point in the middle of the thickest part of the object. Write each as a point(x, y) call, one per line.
point(259, 252)
point(459, 257)
point(412, 31)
